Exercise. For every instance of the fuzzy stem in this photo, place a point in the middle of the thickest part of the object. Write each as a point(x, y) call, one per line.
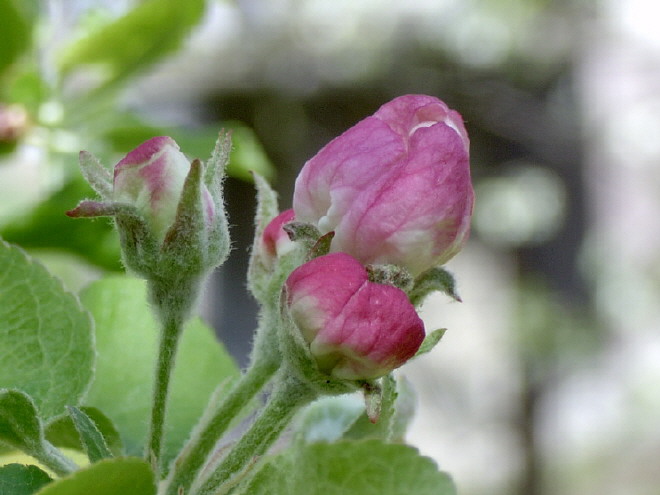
point(169, 340)
point(289, 395)
point(51, 457)
point(192, 458)
point(265, 361)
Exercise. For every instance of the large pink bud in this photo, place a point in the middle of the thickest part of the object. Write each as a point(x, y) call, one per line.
point(151, 178)
point(395, 188)
point(355, 329)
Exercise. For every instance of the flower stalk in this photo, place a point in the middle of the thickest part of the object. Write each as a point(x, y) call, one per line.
point(290, 394)
point(193, 457)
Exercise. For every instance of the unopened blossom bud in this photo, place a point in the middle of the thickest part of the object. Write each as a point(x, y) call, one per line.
point(275, 241)
point(169, 211)
point(151, 178)
point(355, 329)
point(395, 188)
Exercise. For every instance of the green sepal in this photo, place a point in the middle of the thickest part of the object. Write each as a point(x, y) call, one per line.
point(218, 242)
point(96, 175)
point(433, 280)
point(306, 233)
point(91, 438)
point(321, 247)
point(430, 341)
point(184, 248)
point(259, 273)
point(139, 246)
point(390, 275)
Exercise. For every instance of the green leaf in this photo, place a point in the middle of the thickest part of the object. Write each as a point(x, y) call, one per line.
point(123, 476)
point(46, 226)
point(46, 337)
point(62, 432)
point(91, 438)
point(328, 418)
point(26, 87)
point(127, 334)
point(16, 31)
point(19, 479)
point(137, 39)
point(19, 424)
point(367, 468)
point(248, 155)
point(21, 429)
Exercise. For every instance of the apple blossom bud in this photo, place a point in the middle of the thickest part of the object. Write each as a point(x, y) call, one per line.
point(169, 211)
point(275, 241)
point(395, 188)
point(151, 178)
point(355, 329)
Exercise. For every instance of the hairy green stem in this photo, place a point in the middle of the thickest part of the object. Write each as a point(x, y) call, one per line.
point(265, 361)
point(289, 395)
point(193, 457)
point(169, 339)
point(51, 457)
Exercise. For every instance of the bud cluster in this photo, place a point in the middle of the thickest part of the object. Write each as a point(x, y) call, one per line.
point(390, 200)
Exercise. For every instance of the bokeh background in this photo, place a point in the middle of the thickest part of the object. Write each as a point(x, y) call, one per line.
point(548, 379)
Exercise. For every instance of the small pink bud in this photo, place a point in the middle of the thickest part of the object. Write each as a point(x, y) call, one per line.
point(395, 188)
point(356, 329)
point(275, 241)
point(151, 178)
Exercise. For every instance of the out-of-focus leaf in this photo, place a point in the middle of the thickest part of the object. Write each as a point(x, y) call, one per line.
point(247, 152)
point(46, 226)
point(139, 38)
point(16, 29)
point(125, 476)
point(327, 419)
point(27, 88)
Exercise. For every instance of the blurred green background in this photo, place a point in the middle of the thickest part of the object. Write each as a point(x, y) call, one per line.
point(547, 381)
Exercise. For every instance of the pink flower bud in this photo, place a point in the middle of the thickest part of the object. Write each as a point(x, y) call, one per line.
point(356, 329)
point(275, 241)
point(151, 178)
point(395, 188)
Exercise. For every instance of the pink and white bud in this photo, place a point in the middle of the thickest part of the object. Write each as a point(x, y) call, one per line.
point(395, 188)
point(355, 329)
point(275, 242)
point(151, 178)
